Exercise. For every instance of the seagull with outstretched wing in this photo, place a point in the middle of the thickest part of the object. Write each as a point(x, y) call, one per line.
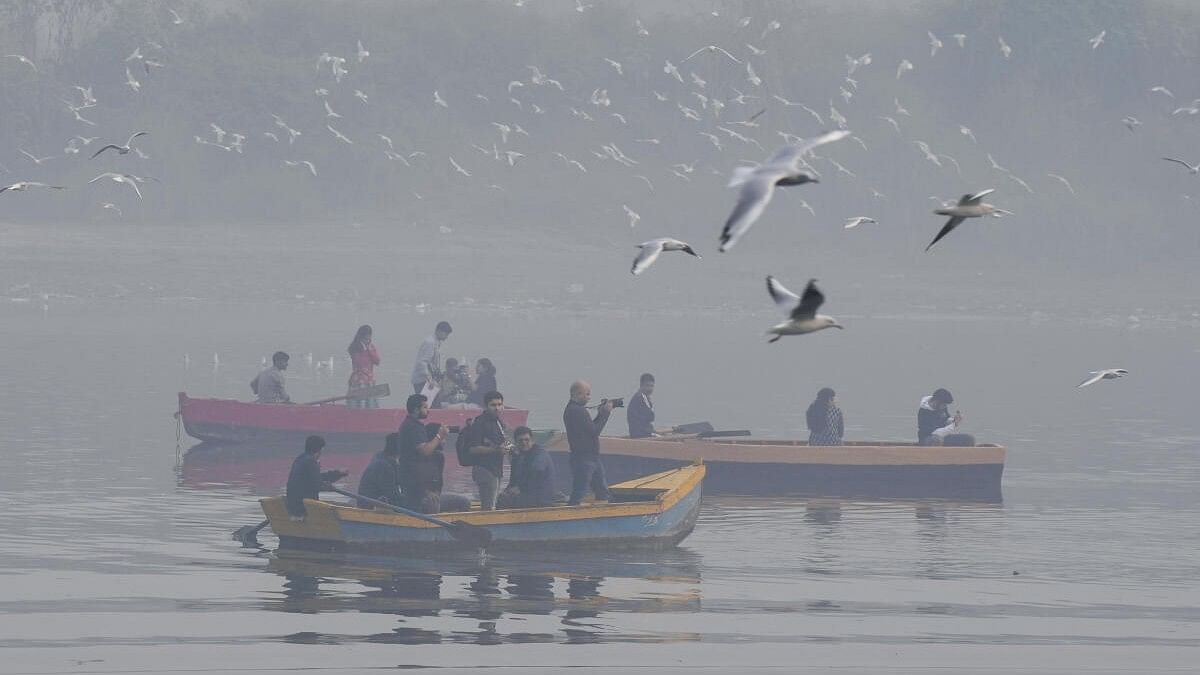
point(1106, 374)
point(121, 149)
point(970, 206)
point(654, 248)
point(802, 317)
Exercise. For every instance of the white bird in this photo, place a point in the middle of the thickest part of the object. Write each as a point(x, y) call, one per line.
point(1159, 89)
point(22, 59)
point(175, 18)
point(758, 184)
point(121, 149)
point(131, 81)
point(654, 248)
point(119, 178)
point(771, 27)
point(970, 206)
point(755, 50)
point(633, 216)
point(459, 168)
point(23, 185)
point(1106, 374)
point(802, 311)
point(640, 28)
point(960, 38)
point(437, 98)
point(1130, 122)
point(302, 162)
point(616, 66)
point(901, 110)
point(968, 133)
point(671, 69)
point(1004, 48)
point(339, 135)
point(751, 76)
point(1191, 169)
point(713, 48)
point(858, 220)
point(36, 160)
point(1099, 39)
point(905, 65)
point(892, 121)
point(112, 207)
point(934, 44)
point(362, 52)
point(1062, 180)
point(271, 135)
point(580, 7)
point(329, 111)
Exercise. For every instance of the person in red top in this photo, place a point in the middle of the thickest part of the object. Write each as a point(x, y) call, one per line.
point(363, 359)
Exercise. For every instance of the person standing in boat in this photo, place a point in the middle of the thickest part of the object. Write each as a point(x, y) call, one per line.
point(640, 413)
point(363, 359)
point(381, 479)
point(428, 367)
point(421, 476)
point(934, 422)
point(269, 384)
point(531, 477)
point(306, 480)
point(825, 424)
point(583, 438)
point(488, 444)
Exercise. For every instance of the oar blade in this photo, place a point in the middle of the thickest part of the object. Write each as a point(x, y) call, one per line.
point(248, 534)
point(468, 533)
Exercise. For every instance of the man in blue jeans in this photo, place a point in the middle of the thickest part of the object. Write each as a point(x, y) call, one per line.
point(583, 437)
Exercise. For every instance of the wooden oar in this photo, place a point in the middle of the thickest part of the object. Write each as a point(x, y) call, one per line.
point(374, 391)
point(693, 428)
point(723, 434)
point(248, 534)
point(476, 536)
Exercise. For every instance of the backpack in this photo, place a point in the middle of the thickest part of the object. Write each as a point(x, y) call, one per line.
point(462, 444)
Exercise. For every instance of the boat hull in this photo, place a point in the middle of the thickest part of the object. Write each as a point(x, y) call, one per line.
point(229, 422)
point(783, 468)
point(656, 511)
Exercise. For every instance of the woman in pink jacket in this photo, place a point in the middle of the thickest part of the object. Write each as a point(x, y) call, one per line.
point(363, 359)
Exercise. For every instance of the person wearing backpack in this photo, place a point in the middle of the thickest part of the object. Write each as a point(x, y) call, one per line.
point(486, 444)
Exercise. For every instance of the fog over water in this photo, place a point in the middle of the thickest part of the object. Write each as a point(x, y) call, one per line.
point(116, 543)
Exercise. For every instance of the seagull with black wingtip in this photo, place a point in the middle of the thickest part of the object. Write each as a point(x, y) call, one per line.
point(970, 206)
point(121, 149)
point(803, 317)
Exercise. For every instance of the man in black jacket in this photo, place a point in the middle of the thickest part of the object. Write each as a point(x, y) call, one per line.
point(583, 437)
point(489, 443)
point(640, 413)
point(933, 418)
point(381, 479)
point(306, 480)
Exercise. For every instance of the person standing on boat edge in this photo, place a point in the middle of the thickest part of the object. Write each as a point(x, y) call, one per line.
point(428, 367)
point(487, 446)
point(269, 384)
point(306, 480)
point(824, 418)
point(640, 413)
point(363, 359)
point(583, 438)
point(933, 418)
point(531, 476)
point(381, 479)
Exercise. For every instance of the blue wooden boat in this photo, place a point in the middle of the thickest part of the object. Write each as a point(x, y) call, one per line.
point(655, 511)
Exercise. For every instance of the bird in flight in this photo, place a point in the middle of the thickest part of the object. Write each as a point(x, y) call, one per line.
point(711, 49)
point(802, 311)
point(23, 185)
point(119, 178)
point(970, 206)
point(654, 248)
point(758, 184)
point(1191, 169)
point(22, 59)
point(858, 220)
point(1106, 374)
point(121, 149)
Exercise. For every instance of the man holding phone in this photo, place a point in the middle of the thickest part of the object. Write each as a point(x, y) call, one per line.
point(933, 418)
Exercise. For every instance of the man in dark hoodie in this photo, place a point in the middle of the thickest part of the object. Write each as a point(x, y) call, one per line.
point(306, 480)
point(933, 418)
point(583, 437)
point(381, 479)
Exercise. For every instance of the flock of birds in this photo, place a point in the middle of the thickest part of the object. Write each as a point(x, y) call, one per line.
point(789, 165)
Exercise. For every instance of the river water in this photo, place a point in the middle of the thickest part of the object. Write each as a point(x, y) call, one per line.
point(117, 556)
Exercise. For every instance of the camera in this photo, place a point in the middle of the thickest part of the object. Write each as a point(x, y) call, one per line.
point(616, 402)
point(453, 429)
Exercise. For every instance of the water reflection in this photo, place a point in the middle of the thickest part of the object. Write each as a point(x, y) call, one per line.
point(490, 600)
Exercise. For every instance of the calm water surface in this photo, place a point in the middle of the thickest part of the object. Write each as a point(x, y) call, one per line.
point(117, 556)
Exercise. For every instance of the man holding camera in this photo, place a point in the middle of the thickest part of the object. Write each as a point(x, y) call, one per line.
point(583, 437)
point(488, 445)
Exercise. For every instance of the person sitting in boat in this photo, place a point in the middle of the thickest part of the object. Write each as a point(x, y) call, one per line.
point(306, 480)
point(427, 369)
point(485, 382)
point(583, 438)
point(531, 476)
point(825, 424)
point(363, 359)
point(486, 449)
point(381, 479)
point(640, 412)
point(421, 475)
point(269, 384)
point(447, 385)
point(934, 422)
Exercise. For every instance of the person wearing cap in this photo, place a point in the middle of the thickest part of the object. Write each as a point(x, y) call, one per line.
point(269, 384)
point(933, 418)
point(427, 370)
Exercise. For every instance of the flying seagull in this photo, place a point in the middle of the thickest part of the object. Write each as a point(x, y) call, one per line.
point(1099, 39)
point(653, 248)
point(803, 317)
point(970, 206)
point(21, 186)
point(758, 184)
point(121, 149)
point(1131, 122)
point(1191, 169)
point(1106, 374)
point(858, 220)
point(22, 59)
point(711, 49)
point(119, 178)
